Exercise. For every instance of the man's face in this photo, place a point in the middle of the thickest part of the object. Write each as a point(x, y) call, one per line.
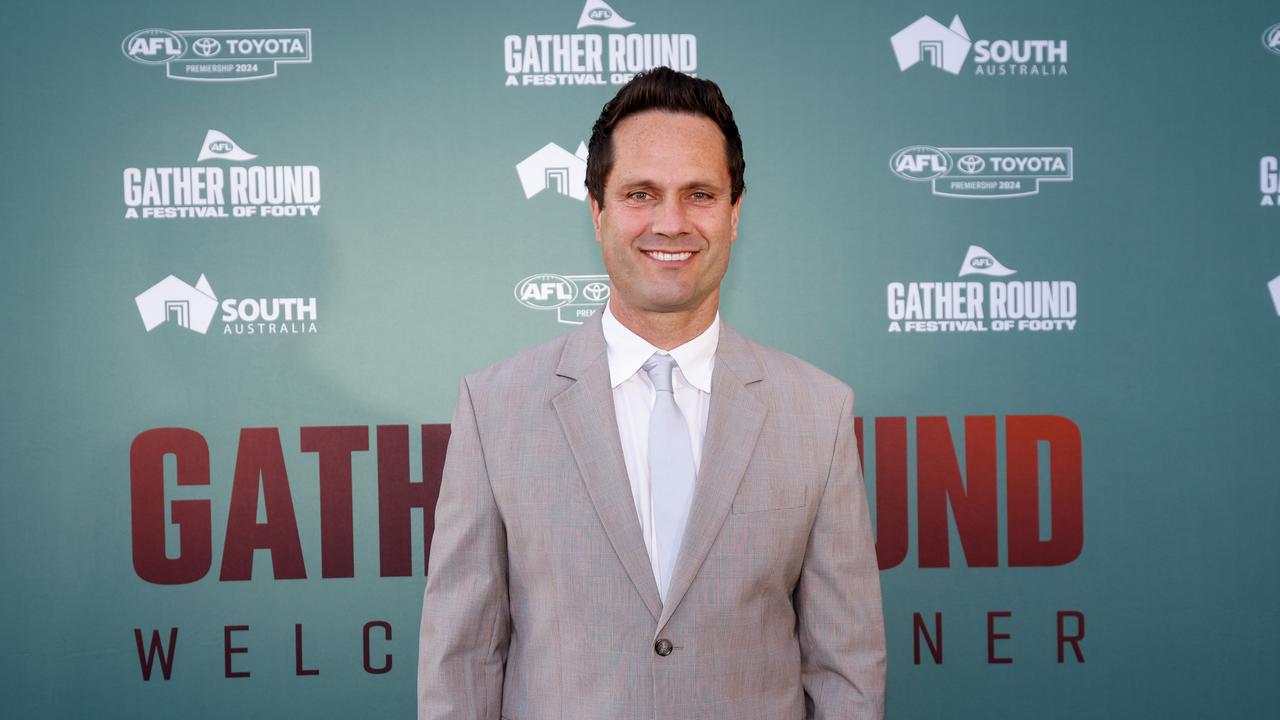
point(667, 223)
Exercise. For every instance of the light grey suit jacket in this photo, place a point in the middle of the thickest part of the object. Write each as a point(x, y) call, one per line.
point(540, 600)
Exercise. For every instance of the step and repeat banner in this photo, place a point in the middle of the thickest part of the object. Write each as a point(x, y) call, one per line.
point(251, 247)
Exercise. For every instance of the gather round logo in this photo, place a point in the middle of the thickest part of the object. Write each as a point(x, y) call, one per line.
point(153, 46)
point(545, 292)
point(920, 163)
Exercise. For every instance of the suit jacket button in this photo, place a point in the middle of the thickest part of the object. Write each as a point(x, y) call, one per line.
point(663, 647)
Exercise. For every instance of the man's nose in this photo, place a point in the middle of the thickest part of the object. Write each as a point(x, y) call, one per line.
point(670, 218)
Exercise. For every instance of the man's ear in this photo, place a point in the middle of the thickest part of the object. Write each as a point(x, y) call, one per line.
point(595, 215)
point(733, 220)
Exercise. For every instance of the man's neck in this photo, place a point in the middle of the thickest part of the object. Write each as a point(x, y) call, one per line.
point(670, 329)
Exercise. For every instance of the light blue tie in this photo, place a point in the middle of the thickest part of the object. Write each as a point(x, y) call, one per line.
point(671, 470)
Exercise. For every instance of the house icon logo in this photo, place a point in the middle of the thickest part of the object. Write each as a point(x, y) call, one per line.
point(172, 299)
point(556, 169)
point(980, 262)
point(930, 41)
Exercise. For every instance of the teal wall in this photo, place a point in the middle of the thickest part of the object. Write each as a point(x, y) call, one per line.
point(424, 232)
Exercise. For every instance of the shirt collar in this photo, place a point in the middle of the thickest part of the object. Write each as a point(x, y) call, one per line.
point(628, 352)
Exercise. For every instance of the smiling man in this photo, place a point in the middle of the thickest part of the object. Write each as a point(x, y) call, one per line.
point(654, 517)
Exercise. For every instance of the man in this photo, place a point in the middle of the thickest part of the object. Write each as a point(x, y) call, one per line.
point(653, 517)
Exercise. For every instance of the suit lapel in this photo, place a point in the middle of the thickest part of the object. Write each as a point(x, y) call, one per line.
point(734, 422)
point(591, 427)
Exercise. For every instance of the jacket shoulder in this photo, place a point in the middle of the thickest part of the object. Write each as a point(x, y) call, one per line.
point(791, 377)
point(518, 373)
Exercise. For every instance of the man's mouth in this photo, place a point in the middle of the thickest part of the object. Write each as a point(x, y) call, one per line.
point(668, 256)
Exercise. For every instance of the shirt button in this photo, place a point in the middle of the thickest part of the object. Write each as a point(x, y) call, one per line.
point(663, 647)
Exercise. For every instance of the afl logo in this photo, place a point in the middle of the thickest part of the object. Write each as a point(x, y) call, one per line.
point(1271, 39)
point(920, 162)
point(153, 46)
point(545, 292)
point(981, 263)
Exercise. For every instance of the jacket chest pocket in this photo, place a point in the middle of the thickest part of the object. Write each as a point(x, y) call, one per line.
point(772, 498)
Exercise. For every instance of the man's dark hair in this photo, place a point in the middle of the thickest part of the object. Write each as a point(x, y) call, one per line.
point(663, 89)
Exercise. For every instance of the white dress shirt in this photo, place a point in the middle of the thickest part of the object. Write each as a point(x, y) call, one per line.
point(633, 398)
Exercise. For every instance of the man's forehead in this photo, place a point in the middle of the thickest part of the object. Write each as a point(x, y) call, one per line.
point(665, 123)
point(667, 147)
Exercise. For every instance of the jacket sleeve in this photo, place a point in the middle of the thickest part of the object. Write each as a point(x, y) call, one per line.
point(837, 599)
point(462, 645)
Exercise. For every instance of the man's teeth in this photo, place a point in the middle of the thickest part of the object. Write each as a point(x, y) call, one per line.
point(668, 257)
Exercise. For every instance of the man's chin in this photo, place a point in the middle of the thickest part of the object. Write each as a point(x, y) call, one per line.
point(672, 305)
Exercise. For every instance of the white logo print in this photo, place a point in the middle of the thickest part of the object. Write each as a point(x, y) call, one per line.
point(980, 262)
point(969, 306)
point(221, 190)
point(983, 173)
point(219, 55)
point(193, 308)
point(947, 47)
point(595, 54)
point(218, 145)
point(929, 40)
point(206, 47)
point(555, 168)
point(1271, 39)
point(574, 297)
point(598, 13)
point(1269, 180)
point(1274, 286)
point(172, 299)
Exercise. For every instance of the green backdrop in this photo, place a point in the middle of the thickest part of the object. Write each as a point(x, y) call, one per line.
point(398, 136)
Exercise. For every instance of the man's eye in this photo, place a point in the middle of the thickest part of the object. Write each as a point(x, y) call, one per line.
point(699, 195)
point(639, 195)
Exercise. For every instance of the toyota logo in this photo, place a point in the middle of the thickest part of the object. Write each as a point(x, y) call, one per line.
point(596, 291)
point(971, 164)
point(206, 47)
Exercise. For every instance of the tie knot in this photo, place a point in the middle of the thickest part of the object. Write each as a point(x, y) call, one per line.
point(659, 367)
